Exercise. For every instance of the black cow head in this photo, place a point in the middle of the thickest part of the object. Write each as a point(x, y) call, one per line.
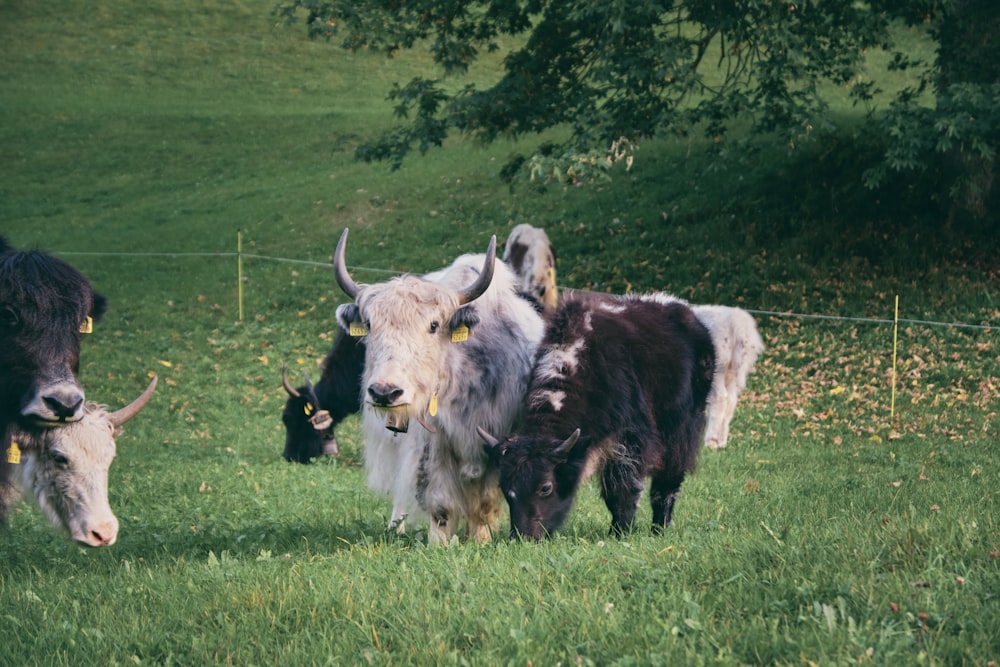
point(307, 435)
point(538, 478)
point(45, 307)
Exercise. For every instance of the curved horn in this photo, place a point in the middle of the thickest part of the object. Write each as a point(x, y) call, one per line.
point(340, 269)
point(567, 443)
point(476, 289)
point(484, 434)
point(286, 384)
point(119, 417)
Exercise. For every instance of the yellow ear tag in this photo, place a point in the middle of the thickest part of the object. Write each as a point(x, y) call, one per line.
point(358, 329)
point(88, 325)
point(13, 454)
point(460, 334)
point(433, 408)
point(309, 409)
point(552, 275)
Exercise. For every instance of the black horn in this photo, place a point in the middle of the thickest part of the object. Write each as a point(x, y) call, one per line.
point(119, 417)
point(476, 289)
point(286, 384)
point(567, 444)
point(340, 269)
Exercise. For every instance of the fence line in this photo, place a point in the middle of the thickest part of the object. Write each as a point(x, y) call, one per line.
point(769, 313)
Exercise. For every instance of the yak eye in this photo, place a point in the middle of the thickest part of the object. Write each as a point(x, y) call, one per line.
point(8, 318)
point(434, 326)
point(545, 490)
point(60, 460)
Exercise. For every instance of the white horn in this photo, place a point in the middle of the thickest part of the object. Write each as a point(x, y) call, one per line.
point(119, 417)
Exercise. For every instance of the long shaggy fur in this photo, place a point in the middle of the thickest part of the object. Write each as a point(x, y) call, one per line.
point(737, 346)
point(479, 381)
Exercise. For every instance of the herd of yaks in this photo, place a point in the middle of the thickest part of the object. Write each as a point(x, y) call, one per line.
point(519, 394)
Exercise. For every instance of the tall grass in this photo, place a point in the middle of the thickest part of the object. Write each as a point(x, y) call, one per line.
point(828, 533)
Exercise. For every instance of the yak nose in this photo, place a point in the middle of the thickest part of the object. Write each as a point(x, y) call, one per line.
point(384, 394)
point(64, 404)
point(102, 535)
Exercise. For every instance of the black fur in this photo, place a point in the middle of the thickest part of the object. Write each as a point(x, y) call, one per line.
point(43, 303)
point(637, 393)
point(338, 392)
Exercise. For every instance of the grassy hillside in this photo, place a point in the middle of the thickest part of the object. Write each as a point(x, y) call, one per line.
point(137, 142)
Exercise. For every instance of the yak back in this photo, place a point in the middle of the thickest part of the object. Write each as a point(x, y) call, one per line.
point(627, 368)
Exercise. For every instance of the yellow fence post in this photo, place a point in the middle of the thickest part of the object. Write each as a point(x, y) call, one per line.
point(239, 269)
point(895, 338)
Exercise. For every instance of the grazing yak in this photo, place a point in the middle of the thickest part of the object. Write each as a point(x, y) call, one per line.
point(45, 306)
point(64, 470)
point(737, 346)
point(312, 412)
point(532, 258)
point(619, 387)
point(452, 350)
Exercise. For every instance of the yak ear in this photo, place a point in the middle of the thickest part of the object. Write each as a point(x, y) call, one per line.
point(466, 315)
point(347, 313)
point(99, 308)
point(564, 449)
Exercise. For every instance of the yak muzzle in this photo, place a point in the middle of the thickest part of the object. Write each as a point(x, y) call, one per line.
point(55, 404)
point(384, 394)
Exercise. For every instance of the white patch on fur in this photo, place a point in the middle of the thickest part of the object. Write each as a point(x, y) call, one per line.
point(559, 361)
point(659, 297)
point(612, 307)
point(554, 397)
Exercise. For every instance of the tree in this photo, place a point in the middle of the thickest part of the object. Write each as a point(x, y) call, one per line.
point(619, 71)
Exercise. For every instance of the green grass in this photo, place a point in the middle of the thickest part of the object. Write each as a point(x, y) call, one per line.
point(828, 533)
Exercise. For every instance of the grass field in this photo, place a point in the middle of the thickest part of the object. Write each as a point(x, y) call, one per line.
point(138, 143)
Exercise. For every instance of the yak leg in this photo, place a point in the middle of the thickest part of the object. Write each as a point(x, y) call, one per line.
point(483, 503)
point(734, 396)
point(662, 496)
point(397, 521)
point(621, 488)
point(717, 412)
